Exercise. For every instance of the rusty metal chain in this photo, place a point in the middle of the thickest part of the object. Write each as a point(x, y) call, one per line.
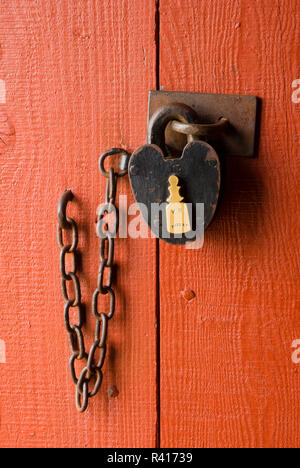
point(92, 370)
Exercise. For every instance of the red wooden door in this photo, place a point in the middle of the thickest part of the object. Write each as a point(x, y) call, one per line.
point(227, 377)
point(77, 75)
point(216, 370)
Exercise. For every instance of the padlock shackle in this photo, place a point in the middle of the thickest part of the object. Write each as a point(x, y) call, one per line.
point(165, 114)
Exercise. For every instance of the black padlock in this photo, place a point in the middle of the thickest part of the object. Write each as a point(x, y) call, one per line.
point(177, 197)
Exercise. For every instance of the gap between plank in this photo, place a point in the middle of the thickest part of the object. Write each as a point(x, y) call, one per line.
point(158, 407)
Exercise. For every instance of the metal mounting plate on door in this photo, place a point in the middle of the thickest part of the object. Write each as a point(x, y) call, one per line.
point(240, 139)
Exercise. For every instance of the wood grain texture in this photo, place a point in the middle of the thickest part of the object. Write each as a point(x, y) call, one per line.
point(77, 75)
point(227, 378)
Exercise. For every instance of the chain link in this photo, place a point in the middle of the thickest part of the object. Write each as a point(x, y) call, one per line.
point(92, 370)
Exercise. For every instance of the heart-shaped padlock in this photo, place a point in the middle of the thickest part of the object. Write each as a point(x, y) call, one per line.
point(177, 197)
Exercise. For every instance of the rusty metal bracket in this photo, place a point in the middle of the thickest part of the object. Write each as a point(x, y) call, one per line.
point(239, 137)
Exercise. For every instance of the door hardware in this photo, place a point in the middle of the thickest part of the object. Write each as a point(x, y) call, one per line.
point(188, 136)
point(91, 372)
point(242, 114)
point(179, 169)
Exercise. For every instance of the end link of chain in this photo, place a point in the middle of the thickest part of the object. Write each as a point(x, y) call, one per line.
point(124, 160)
point(63, 220)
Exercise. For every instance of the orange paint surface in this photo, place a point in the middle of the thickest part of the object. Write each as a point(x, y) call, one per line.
point(227, 376)
point(77, 76)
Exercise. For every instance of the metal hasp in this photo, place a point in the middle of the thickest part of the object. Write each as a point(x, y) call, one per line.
point(241, 112)
point(181, 166)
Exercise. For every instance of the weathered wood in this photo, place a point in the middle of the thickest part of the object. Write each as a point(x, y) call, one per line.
point(227, 378)
point(77, 78)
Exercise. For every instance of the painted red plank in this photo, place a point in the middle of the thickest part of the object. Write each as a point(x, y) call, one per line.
point(227, 377)
point(77, 76)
